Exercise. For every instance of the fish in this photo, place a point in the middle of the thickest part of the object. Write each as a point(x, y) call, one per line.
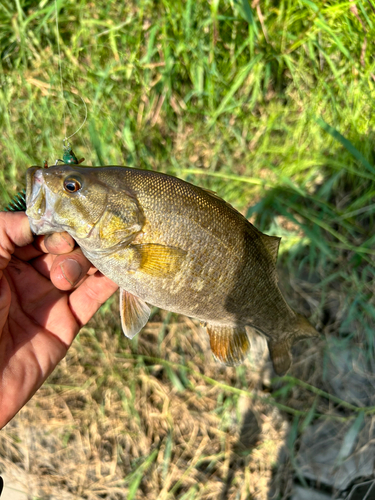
point(170, 244)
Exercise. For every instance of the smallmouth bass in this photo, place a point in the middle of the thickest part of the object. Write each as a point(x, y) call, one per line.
point(170, 244)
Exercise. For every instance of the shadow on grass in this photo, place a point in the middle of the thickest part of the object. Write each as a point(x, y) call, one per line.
point(248, 439)
point(331, 280)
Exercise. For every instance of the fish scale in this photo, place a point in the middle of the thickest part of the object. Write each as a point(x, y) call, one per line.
point(173, 245)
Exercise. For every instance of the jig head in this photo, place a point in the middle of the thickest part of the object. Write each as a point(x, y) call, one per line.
point(69, 158)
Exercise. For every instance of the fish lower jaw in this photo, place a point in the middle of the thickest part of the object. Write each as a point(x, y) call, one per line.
point(43, 223)
point(43, 226)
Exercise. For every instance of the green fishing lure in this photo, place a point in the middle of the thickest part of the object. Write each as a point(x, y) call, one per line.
point(18, 203)
point(69, 158)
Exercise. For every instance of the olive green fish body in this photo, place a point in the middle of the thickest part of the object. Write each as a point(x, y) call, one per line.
point(176, 246)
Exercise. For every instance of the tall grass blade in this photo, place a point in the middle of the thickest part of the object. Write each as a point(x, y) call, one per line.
point(346, 143)
point(350, 438)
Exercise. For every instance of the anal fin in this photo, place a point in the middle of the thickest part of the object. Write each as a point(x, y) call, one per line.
point(229, 345)
point(134, 313)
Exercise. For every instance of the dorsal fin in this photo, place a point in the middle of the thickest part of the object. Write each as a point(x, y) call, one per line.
point(272, 244)
point(212, 193)
point(217, 197)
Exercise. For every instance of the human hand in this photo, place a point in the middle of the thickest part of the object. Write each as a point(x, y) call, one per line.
point(48, 291)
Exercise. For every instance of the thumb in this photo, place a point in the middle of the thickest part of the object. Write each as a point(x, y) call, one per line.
point(14, 232)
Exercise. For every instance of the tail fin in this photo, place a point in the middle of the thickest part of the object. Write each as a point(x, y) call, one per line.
point(280, 349)
point(304, 329)
point(281, 356)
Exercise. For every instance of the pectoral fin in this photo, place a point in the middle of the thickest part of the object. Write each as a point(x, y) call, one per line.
point(280, 355)
point(229, 345)
point(114, 229)
point(159, 260)
point(134, 313)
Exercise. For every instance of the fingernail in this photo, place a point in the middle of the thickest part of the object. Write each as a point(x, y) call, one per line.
point(67, 239)
point(71, 270)
point(54, 239)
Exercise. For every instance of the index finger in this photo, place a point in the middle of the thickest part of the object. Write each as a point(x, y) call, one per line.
point(14, 232)
point(55, 243)
point(90, 295)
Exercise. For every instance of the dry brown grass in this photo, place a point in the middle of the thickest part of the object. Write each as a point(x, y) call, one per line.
point(157, 418)
point(111, 423)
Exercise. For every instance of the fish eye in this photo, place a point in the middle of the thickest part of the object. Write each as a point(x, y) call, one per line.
point(71, 185)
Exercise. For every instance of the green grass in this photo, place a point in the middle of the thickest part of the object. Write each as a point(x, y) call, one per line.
point(269, 106)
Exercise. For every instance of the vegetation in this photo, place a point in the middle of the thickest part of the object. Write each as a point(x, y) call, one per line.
point(269, 104)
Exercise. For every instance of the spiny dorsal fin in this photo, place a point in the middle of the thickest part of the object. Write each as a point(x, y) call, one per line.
point(229, 345)
point(158, 260)
point(212, 193)
point(134, 313)
point(217, 197)
point(272, 244)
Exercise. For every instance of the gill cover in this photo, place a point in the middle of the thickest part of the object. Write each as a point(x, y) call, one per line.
point(121, 219)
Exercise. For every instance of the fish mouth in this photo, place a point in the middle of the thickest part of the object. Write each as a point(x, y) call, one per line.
point(39, 208)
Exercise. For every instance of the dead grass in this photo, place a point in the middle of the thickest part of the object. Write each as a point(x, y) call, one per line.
point(157, 418)
point(116, 427)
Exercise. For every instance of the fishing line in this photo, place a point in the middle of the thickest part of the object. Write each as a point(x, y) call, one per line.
point(18, 202)
point(82, 124)
point(66, 139)
point(59, 60)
